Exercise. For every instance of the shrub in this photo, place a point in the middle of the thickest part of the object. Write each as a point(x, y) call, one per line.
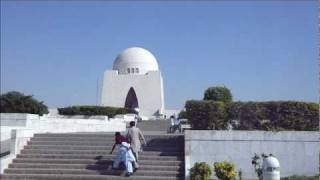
point(94, 111)
point(295, 177)
point(200, 171)
point(218, 93)
point(16, 102)
point(293, 115)
point(217, 110)
point(206, 115)
point(274, 115)
point(182, 115)
point(225, 170)
point(249, 115)
point(269, 116)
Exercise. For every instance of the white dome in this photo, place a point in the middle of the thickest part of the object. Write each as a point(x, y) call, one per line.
point(135, 60)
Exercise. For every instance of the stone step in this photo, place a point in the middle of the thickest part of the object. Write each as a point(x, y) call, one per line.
point(98, 143)
point(99, 148)
point(70, 138)
point(76, 134)
point(92, 161)
point(86, 156)
point(81, 177)
point(93, 172)
point(88, 166)
point(100, 152)
point(100, 157)
point(105, 144)
point(100, 136)
point(157, 139)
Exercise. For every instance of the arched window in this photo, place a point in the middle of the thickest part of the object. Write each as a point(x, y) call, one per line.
point(132, 70)
point(137, 70)
point(128, 70)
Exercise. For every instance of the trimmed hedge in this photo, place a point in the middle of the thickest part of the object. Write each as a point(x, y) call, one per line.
point(206, 115)
point(249, 115)
point(275, 115)
point(94, 111)
point(296, 177)
point(16, 102)
point(272, 115)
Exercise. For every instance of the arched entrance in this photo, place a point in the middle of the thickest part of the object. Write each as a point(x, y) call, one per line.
point(131, 99)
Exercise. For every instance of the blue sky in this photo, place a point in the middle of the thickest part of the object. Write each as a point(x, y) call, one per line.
point(262, 51)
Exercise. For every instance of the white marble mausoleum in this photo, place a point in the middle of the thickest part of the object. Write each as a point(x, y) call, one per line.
point(135, 81)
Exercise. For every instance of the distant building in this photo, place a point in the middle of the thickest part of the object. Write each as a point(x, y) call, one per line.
point(134, 82)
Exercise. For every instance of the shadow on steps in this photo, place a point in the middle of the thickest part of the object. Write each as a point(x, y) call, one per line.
point(104, 167)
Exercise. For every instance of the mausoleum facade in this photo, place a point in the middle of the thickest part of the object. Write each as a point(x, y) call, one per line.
point(135, 81)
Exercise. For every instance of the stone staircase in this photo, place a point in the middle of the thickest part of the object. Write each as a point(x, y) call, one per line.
point(86, 156)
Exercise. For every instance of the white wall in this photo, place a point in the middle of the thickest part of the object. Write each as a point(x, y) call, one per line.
point(17, 129)
point(12, 121)
point(50, 124)
point(5, 137)
point(148, 88)
point(297, 151)
point(16, 119)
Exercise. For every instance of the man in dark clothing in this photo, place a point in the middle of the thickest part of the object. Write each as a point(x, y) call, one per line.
point(118, 139)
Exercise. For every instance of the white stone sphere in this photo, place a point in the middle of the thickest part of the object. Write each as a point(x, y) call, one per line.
point(271, 168)
point(271, 162)
point(135, 60)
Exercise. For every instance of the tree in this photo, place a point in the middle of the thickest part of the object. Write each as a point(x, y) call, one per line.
point(16, 102)
point(218, 93)
point(183, 115)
